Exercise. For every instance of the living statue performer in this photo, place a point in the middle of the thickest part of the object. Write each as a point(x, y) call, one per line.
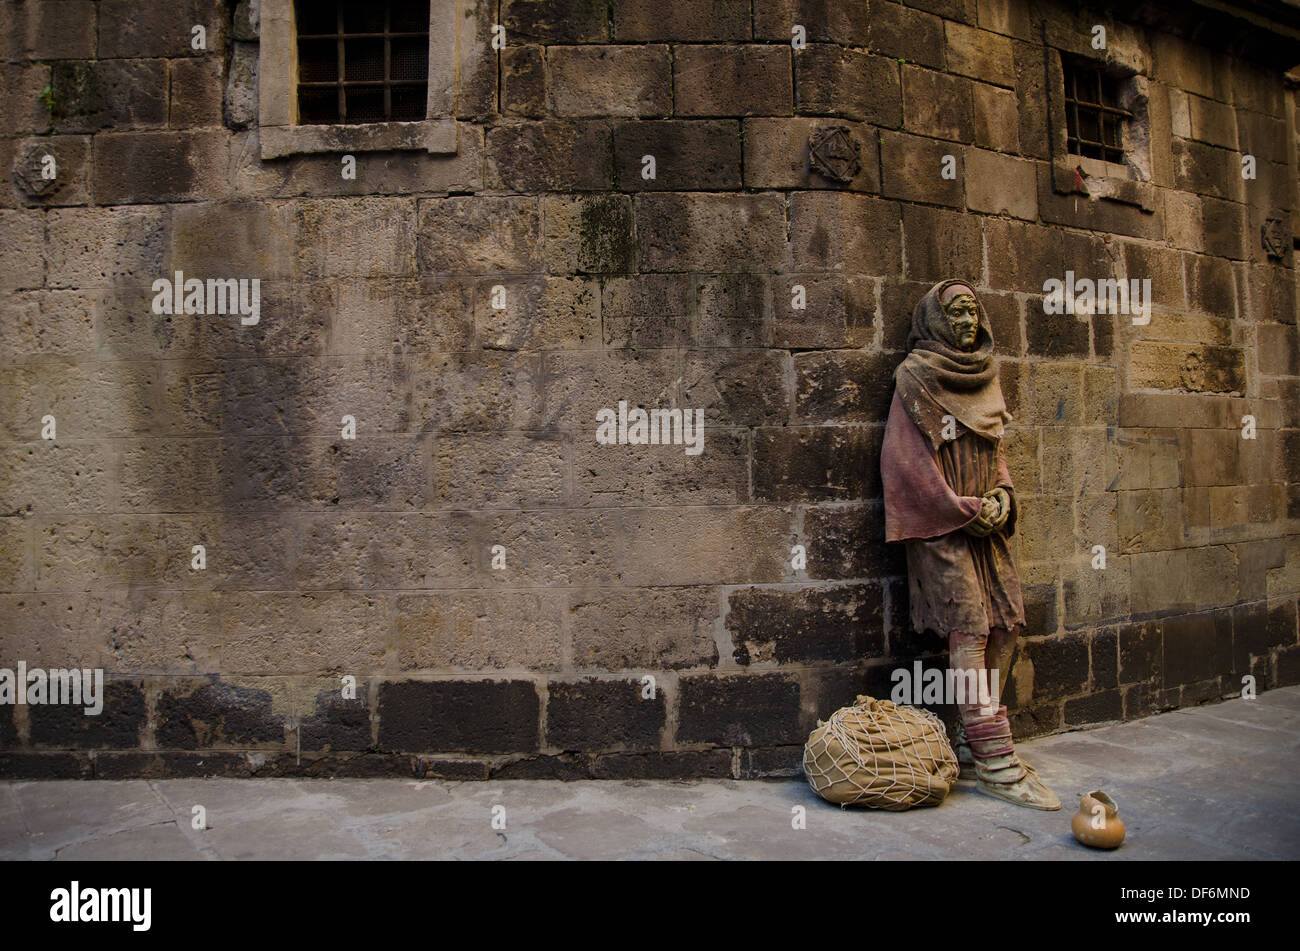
point(949, 498)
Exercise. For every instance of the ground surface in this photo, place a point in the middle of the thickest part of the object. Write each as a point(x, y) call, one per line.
point(1213, 782)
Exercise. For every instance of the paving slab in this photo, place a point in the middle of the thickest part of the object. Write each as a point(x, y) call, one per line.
point(1213, 782)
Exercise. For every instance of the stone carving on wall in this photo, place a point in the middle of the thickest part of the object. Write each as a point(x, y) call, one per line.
point(834, 153)
point(1272, 235)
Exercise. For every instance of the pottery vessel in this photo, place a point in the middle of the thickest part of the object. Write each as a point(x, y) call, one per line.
point(1097, 823)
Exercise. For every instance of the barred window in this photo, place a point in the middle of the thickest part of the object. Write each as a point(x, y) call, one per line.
point(1093, 116)
point(362, 61)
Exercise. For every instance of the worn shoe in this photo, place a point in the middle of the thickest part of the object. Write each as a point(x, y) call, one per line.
point(965, 761)
point(1027, 791)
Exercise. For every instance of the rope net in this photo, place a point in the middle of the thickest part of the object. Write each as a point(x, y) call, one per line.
point(880, 755)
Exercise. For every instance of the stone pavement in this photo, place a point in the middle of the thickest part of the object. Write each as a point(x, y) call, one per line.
point(1211, 782)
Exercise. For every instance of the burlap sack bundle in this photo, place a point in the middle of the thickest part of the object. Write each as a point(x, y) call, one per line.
point(878, 754)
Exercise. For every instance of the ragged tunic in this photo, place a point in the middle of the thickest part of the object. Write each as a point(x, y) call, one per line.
point(933, 487)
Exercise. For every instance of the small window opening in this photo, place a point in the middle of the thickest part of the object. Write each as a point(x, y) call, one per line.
point(362, 61)
point(1093, 117)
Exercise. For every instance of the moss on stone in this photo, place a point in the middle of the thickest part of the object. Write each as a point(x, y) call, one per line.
point(606, 234)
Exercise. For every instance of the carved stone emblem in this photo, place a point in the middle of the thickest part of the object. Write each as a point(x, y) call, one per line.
point(1273, 237)
point(834, 153)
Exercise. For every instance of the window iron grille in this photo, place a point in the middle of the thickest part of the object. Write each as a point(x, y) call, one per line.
point(362, 60)
point(1093, 116)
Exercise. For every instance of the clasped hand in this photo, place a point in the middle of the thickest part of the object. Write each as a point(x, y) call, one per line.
point(995, 509)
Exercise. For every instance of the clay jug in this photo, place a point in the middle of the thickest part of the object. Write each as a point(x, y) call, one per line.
point(1097, 809)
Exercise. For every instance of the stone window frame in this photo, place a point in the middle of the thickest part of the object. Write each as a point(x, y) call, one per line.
point(277, 101)
point(1129, 183)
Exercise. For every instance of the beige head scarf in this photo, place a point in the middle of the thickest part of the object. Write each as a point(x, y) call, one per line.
point(938, 378)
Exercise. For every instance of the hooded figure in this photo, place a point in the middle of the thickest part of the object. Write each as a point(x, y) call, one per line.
point(949, 498)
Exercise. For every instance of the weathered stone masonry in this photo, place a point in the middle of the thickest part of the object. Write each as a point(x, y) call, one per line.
point(372, 557)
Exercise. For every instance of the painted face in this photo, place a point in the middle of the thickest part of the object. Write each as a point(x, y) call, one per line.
point(964, 317)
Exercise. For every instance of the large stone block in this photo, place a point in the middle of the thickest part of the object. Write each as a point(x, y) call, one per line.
point(16, 554)
point(243, 239)
point(777, 155)
point(118, 726)
point(592, 235)
point(718, 80)
point(740, 711)
point(50, 478)
point(1196, 369)
point(1104, 706)
point(644, 628)
point(732, 310)
point(542, 549)
point(848, 542)
point(920, 169)
point(979, 54)
point(475, 391)
point(663, 474)
point(368, 237)
point(216, 715)
point(480, 631)
point(843, 386)
point(683, 232)
point(996, 118)
point(306, 632)
point(540, 313)
point(139, 28)
point(375, 550)
point(817, 463)
point(294, 320)
point(1141, 653)
point(21, 260)
point(651, 21)
point(688, 155)
point(718, 545)
point(1207, 170)
point(806, 625)
point(846, 24)
point(578, 385)
point(1197, 647)
point(1000, 185)
point(597, 714)
point(98, 247)
point(1060, 665)
point(523, 81)
point(337, 724)
point(905, 34)
point(649, 310)
point(610, 80)
point(836, 311)
point(250, 553)
point(479, 716)
point(549, 156)
point(1278, 349)
point(942, 244)
point(89, 400)
point(420, 315)
point(480, 234)
point(501, 470)
point(556, 21)
point(855, 234)
point(832, 80)
point(195, 93)
point(937, 104)
point(121, 94)
point(60, 29)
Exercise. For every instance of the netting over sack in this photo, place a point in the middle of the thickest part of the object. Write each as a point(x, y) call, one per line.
point(878, 754)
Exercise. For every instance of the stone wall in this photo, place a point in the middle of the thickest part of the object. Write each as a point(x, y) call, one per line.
point(372, 558)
